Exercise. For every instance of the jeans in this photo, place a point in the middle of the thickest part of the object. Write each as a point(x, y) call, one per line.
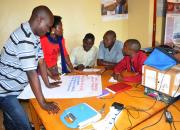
point(14, 116)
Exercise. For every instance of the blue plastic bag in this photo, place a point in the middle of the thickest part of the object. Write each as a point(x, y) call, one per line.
point(160, 59)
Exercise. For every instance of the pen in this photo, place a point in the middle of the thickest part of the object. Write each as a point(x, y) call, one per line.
point(63, 74)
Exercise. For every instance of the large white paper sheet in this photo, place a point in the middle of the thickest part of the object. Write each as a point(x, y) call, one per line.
point(77, 86)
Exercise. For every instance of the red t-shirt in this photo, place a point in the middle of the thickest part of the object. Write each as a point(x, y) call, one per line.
point(136, 62)
point(51, 51)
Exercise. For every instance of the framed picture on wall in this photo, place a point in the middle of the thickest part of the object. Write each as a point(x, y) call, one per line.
point(172, 28)
point(114, 9)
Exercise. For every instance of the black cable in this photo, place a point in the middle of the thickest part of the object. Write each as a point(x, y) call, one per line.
point(135, 109)
point(142, 110)
point(175, 99)
point(129, 119)
point(170, 126)
point(154, 123)
point(131, 114)
point(115, 126)
point(174, 125)
point(156, 98)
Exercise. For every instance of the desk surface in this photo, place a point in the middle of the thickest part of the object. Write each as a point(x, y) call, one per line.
point(175, 111)
point(132, 98)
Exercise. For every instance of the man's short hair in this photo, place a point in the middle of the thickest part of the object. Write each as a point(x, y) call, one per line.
point(89, 36)
point(40, 11)
point(110, 32)
point(133, 44)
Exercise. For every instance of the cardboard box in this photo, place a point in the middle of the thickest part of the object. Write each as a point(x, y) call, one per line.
point(167, 81)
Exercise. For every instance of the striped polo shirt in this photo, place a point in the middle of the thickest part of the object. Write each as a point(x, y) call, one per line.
point(20, 53)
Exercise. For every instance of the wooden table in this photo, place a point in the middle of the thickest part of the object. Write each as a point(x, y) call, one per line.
point(160, 120)
point(129, 118)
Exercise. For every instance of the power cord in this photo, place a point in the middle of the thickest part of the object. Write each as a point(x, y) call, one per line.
point(168, 115)
point(155, 103)
point(154, 123)
point(174, 125)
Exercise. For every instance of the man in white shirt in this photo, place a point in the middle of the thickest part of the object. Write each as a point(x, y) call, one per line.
point(84, 56)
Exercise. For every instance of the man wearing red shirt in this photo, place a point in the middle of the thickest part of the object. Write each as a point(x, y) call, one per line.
point(129, 69)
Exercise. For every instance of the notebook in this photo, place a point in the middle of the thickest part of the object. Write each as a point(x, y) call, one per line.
point(119, 87)
point(79, 116)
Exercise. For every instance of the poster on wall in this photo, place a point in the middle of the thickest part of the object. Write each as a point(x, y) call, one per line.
point(114, 9)
point(172, 29)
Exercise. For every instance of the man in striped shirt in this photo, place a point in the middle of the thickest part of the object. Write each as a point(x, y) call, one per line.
point(19, 59)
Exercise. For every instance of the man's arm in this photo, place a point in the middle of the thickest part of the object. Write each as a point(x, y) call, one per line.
point(36, 88)
point(135, 76)
point(121, 66)
point(108, 65)
point(68, 61)
point(43, 71)
point(177, 56)
point(44, 74)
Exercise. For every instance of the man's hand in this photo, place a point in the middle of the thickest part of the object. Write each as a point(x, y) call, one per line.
point(55, 77)
point(117, 77)
point(80, 67)
point(75, 72)
point(54, 84)
point(50, 107)
point(120, 78)
point(53, 73)
point(88, 67)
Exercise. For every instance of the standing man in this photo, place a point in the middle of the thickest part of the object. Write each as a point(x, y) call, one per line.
point(20, 58)
point(110, 50)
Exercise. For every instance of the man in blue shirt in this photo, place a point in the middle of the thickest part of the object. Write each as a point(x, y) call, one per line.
point(110, 50)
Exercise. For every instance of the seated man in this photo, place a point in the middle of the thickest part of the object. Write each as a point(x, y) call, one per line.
point(84, 56)
point(129, 69)
point(110, 50)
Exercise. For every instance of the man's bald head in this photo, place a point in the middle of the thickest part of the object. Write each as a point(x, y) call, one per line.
point(41, 20)
point(41, 11)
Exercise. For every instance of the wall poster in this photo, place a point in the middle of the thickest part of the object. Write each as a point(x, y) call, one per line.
point(172, 29)
point(114, 9)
